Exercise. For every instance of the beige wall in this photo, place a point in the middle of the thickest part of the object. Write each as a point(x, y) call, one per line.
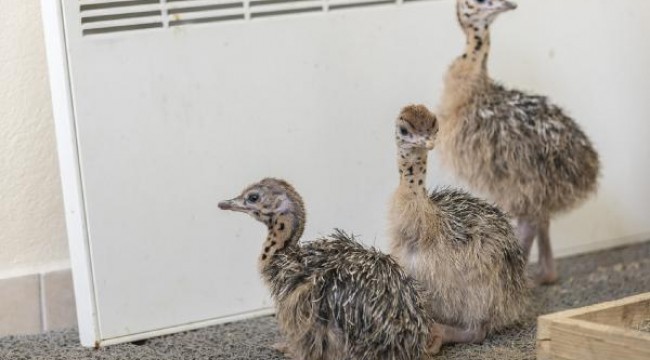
point(32, 228)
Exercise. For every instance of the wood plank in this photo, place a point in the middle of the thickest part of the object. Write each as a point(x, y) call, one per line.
point(628, 316)
point(544, 324)
point(545, 320)
point(580, 339)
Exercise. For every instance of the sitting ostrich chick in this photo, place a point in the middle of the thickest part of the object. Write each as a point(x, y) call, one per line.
point(522, 152)
point(335, 299)
point(462, 249)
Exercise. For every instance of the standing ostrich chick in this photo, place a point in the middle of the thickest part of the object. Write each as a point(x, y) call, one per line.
point(462, 249)
point(335, 299)
point(520, 150)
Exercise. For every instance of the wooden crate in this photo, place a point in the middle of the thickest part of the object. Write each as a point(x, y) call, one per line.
point(606, 331)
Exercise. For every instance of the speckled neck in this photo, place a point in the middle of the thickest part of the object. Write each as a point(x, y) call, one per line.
point(285, 230)
point(413, 216)
point(477, 50)
point(468, 74)
point(412, 163)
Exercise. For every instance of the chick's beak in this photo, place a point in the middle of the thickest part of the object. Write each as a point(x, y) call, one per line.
point(232, 204)
point(225, 205)
point(509, 5)
point(430, 144)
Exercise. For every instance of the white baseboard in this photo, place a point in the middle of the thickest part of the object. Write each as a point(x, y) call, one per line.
point(37, 302)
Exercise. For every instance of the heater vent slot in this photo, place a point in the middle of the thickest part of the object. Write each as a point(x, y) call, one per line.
point(266, 8)
point(348, 4)
point(187, 12)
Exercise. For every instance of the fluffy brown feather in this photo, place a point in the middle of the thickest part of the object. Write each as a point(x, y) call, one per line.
point(335, 299)
point(461, 248)
point(518, 149)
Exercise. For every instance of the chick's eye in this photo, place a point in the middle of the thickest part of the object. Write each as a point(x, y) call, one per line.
point(480, 1)
point(403, 131)
point(253, 198)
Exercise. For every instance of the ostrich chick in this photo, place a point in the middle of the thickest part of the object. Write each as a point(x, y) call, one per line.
point(462, 249)
point(335, 299)
point(522, 152)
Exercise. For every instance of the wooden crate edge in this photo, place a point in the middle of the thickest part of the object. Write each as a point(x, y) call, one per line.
point(545, 323)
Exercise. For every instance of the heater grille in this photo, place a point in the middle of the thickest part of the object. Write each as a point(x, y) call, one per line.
point(106, 16)
point(109, 16)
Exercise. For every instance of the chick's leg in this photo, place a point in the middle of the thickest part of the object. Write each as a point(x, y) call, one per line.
point(547, 274)
point(284, 348)
point(454, 335)
point(437, 333)
point(526, 231)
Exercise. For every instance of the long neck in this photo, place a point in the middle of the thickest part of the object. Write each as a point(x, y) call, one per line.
point(412, 165)
point(468, 73)
point(477, 49)
point(414, 217)
point(285, 230)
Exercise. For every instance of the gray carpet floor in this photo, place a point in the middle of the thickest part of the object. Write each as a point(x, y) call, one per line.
point(586, 280)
